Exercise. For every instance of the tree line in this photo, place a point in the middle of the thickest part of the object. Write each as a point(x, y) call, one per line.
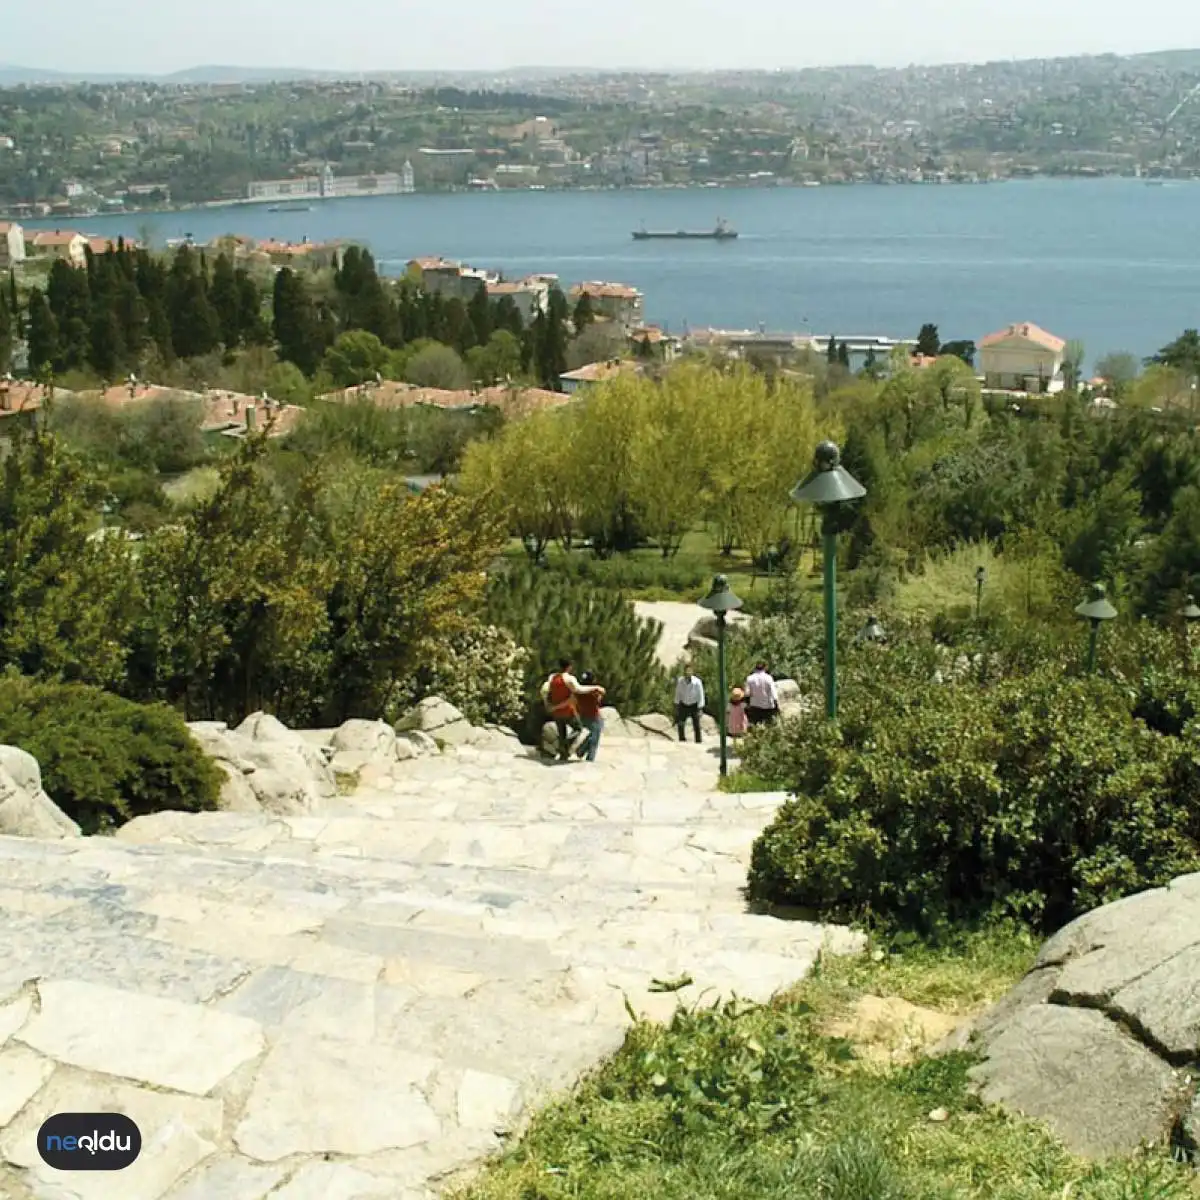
point(131, 310)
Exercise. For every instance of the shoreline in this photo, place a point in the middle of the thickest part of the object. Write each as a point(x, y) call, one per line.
point(204, 206)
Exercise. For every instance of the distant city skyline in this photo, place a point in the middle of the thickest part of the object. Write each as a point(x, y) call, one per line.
point(147, 37)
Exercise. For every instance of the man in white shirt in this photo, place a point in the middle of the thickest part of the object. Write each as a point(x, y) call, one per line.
point(762, 697)
point(689, 703)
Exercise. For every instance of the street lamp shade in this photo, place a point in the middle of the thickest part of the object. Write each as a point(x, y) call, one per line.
point(720, 599)
point(1097, 607)
point(1190, 611)
point(872, 631)
point(830, 482)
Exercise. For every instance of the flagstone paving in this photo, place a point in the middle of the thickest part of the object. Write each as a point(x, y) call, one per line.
point(356, 1003)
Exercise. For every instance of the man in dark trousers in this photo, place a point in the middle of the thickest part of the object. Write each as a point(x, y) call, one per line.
point(689, 703)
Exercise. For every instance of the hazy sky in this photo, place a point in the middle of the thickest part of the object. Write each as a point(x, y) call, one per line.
point(157, 36)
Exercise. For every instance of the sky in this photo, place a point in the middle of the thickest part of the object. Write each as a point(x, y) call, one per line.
point(160, 36)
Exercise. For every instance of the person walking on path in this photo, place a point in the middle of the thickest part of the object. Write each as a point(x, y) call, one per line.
point(735, 719)
point(589, 705)
point(762, 697)
point(560, 695)
point(689, 702)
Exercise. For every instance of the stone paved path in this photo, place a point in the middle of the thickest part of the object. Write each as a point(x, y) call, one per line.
point(349, 1006)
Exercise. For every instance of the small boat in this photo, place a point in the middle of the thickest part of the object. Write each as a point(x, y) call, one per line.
point(282, 208)
point(722, 233)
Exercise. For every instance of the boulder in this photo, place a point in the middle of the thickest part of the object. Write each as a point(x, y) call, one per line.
point(375, 739)
point(1091, 1039)
point(275, 746)
point(22, 768)
point(285, 793)
point(440, 719)
point(706, 627)
point(414, 744)
point(655, 725)
point(787, 689)
point(26, 811)
point(236, 793)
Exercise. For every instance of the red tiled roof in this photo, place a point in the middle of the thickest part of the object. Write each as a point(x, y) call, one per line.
point(47, 237)
point(514, 402)
point(1030, 333)
point(617, 291)
point(598, 372)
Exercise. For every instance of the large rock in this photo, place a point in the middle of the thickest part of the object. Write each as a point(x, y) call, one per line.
point(268, 766)
point(1091, 1040)
point(655, 725)
point(25, 809)
point(376, 739)
point(440, 720)
point(706, 627)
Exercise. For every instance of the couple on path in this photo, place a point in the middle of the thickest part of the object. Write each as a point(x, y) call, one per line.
point(757, 704)
point(574, 704)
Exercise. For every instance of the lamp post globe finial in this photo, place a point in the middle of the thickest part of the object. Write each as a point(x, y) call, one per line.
point(827, 456)
point(1191, 612)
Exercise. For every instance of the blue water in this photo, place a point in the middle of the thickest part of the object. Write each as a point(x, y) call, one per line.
point(1112, 262)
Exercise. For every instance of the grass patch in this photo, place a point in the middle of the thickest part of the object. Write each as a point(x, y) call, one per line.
point(742, 782)
point(747, 1102)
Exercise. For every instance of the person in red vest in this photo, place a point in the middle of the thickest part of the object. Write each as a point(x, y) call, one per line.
point(588, 704)
point(559, 694)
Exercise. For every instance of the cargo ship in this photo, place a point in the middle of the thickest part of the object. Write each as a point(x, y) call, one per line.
point(722, 233)
point(291, 207)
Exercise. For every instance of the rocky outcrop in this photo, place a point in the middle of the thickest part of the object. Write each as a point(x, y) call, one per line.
point(1101, 1040)
point(25, 809)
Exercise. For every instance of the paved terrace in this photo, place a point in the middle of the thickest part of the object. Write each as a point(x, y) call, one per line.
point(357, 1004)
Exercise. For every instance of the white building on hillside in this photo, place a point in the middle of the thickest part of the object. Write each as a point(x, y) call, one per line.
point(1022, 358)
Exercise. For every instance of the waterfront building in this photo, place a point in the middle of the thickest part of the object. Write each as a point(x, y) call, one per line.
point(1023, 358)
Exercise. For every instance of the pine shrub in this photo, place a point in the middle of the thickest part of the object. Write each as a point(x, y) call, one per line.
point(106, 760)
point(556, 617)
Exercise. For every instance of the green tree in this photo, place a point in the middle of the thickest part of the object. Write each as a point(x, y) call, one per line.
point(44, 349)
point(437, 366)
point(479, 311)
point(961, 349)
point(67, 294)
point(195, 326)
point(295, 320)
point(1073, 357)
point(831, 351)
point(226, 301)
point(65, 600)
point(498, 361)
point(584, 314)
point(549, 332)
point(7, 333)
point(355, 357)
point(1119, 369)
point(928, 342)
point(1183, 354)
point(844, 354)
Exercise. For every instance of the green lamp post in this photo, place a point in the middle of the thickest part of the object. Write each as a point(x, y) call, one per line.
point(721, 601)
point(1095, 609)
point(829, 485)
point(980, 580)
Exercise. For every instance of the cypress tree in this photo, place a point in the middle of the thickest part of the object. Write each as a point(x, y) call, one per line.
point(43, 333)
point(195, 329)
point(68, 295)
point(226, 302)
point(550, 341)
point(253, 327)
point(479, 311)
point(295, 322)
point(844, 354)
point(6, 333)
point(585, 314)
point(831, 351)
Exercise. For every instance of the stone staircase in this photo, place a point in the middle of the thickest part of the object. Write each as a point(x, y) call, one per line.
point(360, 1002)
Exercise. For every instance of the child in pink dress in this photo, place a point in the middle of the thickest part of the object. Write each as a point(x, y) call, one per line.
point(736, 721)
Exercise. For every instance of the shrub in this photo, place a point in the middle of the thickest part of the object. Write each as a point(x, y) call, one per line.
point(481, 671)
point(556, 617)
point(106, 760)
point(1029, 793)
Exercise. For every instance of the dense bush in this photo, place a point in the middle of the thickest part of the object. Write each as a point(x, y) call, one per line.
point(555, 617)
point(106, 760)
point(1001, 790)
point(481, 671)
point(636, 574)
